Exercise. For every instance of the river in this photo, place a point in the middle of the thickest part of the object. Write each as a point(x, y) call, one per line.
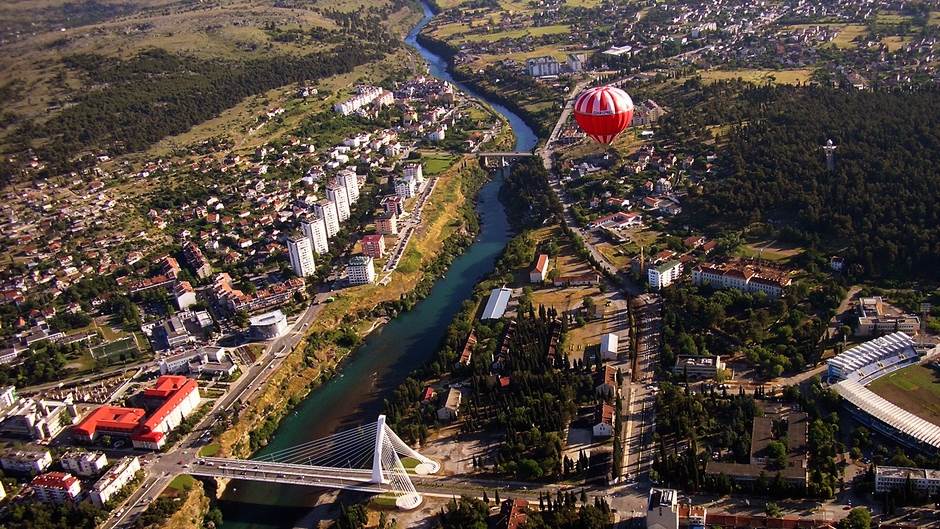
point(387, 355)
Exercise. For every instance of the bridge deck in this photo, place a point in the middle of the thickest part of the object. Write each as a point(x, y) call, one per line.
point(311, 476)
point(507, 154)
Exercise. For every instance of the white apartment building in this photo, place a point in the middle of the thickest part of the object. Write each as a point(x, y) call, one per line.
point(361, 270)
point(414, 171)
point(337, 195)
point(405, 187)
point(664, 275)
point(349, 180)
point(698, 366)
point(56, 487)
point(301, 255)
point(326, 210)
point(7, 396)
point(314, 228)
point(84, 463)
point(742, 277)
point(114, 480)
point(922, 479)
point(26, 461)
point(542, 66)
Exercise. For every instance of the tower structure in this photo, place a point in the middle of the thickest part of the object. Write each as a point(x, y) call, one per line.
point(830, 149)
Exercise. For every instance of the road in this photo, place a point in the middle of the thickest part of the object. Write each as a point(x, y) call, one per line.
point(161, 468)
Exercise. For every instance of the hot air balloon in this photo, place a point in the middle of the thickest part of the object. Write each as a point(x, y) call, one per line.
point(603, 112)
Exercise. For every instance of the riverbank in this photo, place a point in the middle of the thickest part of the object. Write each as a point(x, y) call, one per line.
point(446, 51)
point(342, 325)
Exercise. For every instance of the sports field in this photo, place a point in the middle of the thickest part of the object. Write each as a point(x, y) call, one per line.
point(915, 389)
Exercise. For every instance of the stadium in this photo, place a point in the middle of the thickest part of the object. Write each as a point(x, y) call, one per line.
point(850, 374)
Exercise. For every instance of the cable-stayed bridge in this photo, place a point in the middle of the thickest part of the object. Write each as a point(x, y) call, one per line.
point(366, 459)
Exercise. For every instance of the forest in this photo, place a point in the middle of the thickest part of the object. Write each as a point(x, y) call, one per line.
point(876, 207)
point(157, 94)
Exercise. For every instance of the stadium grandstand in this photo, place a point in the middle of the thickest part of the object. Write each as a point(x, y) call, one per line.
point(854, 369)
point(873, 359)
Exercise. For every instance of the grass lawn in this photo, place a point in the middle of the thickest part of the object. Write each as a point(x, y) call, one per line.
point(435, 162)
point(915, 389)
point(182, 482)
point(614, 254)
point(934, 19)
point(515, 34)
point(760, 76)
point(210, 450)
point(409, 463)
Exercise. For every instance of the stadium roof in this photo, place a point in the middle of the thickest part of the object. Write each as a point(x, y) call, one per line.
point(890, 414)
point(873, 351)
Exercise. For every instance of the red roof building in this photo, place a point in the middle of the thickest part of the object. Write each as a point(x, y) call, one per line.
point(56, 487)
point(513, 513)
point(174, 397)
point(373, 245)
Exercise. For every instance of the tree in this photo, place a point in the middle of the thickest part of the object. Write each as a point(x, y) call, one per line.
point(858, 518)
point(777, 454)
point(773, 510)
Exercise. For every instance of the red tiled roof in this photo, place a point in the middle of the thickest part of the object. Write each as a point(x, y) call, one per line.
point(541, 263)
point(176, 388)
point(111, 418)
point(54, 480)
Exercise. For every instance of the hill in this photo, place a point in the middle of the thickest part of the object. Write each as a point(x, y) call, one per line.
point(877, 208)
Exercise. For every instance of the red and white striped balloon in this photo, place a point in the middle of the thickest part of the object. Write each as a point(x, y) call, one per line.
point(603, 112)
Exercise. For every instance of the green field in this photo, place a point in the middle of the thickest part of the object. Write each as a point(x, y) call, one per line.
point(915, 389)
point(115, 348)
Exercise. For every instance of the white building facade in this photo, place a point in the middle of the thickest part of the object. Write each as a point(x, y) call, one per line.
point(326, 210)
point(314, 228)
point(361, 270)
point(337, 195)
point(301, 255)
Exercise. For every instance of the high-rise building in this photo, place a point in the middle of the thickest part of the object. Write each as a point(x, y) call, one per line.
point(326, 210)
point(315, 229)
point(360, 270)
point(386, 223)
point(337, 195)
point(405, 187)
point(301, 255)
point(350, 180)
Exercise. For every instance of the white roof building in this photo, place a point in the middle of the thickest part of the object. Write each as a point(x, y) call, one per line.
point(889, 418)
point(497, 303)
